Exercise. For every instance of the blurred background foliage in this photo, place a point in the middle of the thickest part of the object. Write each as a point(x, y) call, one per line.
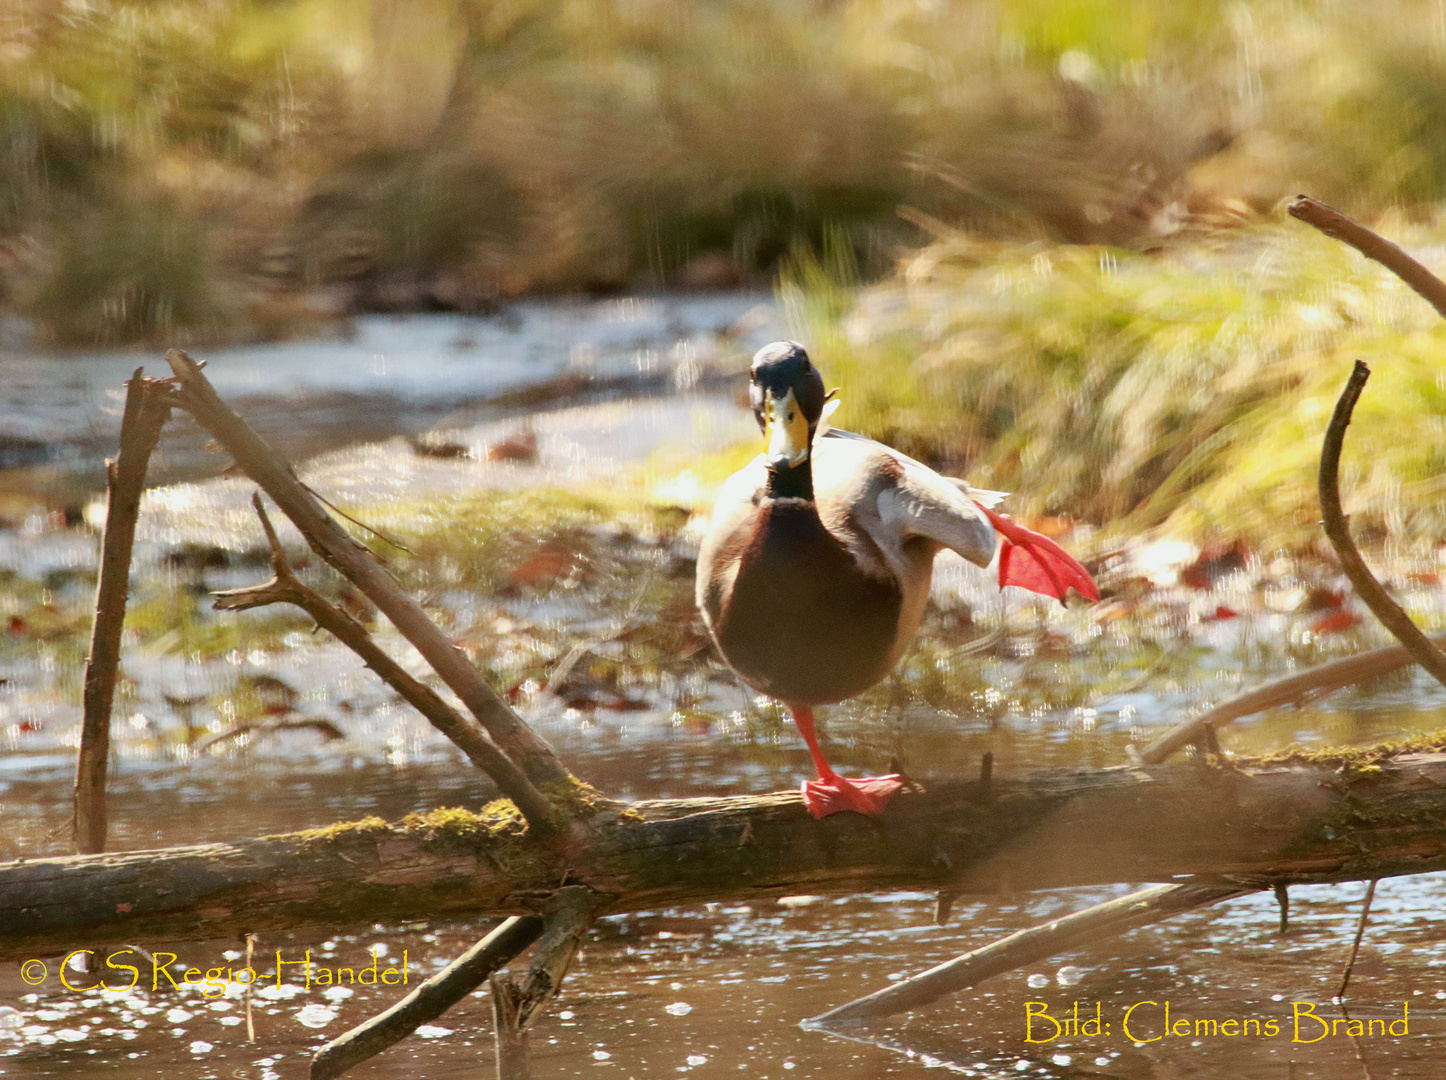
point(1034, 239)
point(184, 169)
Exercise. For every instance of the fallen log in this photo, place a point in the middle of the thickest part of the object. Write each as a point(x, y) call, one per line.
point(1346, 815)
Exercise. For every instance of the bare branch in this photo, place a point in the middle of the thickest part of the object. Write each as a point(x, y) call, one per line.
point(1106, 920)
point(329, 540)
point(146, 411)
point(428, 1001)
point(322, 726)
point(286, 588)
point(1367, 587)
point(1321, 679)
point(566, 915)
point(1352, 669)
point(1372, 245)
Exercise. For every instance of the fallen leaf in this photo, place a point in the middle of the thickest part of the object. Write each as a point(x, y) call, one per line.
point(543, 566)
point(1336, 622)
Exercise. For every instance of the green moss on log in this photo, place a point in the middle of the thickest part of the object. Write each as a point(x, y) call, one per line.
point(1358, 760)
point(453, 828)
point(339, 835)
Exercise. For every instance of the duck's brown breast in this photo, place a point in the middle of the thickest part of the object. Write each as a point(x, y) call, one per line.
point(803, 621)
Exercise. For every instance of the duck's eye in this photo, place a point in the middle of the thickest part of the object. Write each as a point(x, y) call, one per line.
point(790, 416)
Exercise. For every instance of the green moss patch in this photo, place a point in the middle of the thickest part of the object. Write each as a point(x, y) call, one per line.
point(1348, 759)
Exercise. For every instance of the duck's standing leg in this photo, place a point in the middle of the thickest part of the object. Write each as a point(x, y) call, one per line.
point(831, 792)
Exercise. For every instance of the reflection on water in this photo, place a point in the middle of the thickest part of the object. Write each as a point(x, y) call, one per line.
point(716, 990)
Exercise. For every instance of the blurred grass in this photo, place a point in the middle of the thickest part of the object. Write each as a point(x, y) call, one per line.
point(1084, 296)
point(1188, 388)
point(375, 154)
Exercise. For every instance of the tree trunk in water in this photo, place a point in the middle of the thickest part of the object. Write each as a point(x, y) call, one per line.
point(1332, 819)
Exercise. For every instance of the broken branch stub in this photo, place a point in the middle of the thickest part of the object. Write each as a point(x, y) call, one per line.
point(334, 545)
point(570, 911)
point(147, 408)
point(564, 919)
point(428, 1001)
point(286, 588)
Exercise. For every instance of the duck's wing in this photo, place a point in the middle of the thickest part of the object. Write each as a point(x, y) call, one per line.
point(894, 499)
point(1027, 559)
point(982, 496)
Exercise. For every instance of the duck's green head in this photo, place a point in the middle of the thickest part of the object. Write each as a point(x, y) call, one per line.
point(787, 395)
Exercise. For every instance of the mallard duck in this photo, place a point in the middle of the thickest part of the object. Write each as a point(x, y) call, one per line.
point(814, 572)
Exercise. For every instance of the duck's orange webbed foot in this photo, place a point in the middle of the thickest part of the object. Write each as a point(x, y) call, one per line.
point(866, 795)
point(831, 792)
point(1035, 562)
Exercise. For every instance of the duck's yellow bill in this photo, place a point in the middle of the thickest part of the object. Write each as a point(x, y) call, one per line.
point(787, 431)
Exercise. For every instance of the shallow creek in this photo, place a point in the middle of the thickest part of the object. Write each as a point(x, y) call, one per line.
point(711, 991)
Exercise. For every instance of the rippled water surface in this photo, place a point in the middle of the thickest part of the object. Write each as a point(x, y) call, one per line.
point(587, 622)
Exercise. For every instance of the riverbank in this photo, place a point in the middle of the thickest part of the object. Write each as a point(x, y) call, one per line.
point(1185, 390)
point(193, 175)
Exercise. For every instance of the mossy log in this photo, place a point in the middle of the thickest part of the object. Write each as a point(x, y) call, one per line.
point(1364, 814)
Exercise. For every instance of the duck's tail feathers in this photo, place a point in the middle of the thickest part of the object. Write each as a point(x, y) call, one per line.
point(981, 496)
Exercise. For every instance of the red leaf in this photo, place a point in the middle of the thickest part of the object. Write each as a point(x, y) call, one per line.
point(1336, 622)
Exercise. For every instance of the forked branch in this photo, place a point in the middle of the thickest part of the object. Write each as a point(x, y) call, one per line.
point(428, 1001)
point(329, 540)
point(1351, 669)
point(286, 588)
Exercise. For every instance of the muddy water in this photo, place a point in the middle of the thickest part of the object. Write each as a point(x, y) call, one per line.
point(717, 990)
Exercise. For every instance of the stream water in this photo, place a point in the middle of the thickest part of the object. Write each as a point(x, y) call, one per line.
point(587, 622)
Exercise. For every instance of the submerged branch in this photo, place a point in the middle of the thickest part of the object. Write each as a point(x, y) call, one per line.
point(1109, 919)
point(1356, 941)
point(428, 1001)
